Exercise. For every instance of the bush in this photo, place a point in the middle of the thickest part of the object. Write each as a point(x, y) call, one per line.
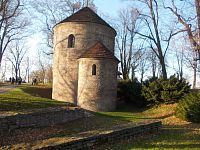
point(130, 92)
point(189, 108)
point(165, 91)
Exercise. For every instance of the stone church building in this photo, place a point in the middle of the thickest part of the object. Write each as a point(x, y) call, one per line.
point(84, 65)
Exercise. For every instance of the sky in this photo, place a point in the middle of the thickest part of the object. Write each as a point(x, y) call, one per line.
point(111, 7)
point(105, 8)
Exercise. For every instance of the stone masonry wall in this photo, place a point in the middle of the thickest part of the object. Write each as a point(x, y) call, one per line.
point(109, 137)
point(97, 92)
point(41, 118)
point(65, 64)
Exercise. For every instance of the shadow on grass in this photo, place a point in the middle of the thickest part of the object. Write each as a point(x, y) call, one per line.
point(70, 129)
point(120, 115)
point(130, 107)
point(28, 97)
point(38, 91)
point(14, 104)
point(126, 112)
point(170, 137)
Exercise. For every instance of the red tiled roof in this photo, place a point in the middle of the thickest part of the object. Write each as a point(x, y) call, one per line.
point(86, 15)
point(98, 51)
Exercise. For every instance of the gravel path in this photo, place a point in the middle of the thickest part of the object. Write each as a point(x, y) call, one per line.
point(7, 88)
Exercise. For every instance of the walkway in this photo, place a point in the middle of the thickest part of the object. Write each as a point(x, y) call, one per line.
point(7, 88)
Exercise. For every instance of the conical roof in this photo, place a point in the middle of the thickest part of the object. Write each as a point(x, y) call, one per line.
point(86, 15)
point(98, 51)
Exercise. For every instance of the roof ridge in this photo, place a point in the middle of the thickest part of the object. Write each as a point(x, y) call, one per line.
point(86, 14)
point(98, 50)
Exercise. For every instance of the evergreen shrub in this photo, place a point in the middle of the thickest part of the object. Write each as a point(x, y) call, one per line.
point(165, 91)
point(189, 108)
point(130, 92)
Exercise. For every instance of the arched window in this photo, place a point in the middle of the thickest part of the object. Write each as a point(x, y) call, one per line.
point(94, 69)
point(71, 41)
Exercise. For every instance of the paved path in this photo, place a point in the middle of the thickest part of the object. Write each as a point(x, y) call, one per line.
point(7, 88)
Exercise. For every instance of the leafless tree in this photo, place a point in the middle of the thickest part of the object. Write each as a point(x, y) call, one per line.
point(153, 63)
point(52, 12)
point(158, 41)
point(192, 30)
point(12, 23)
point(142, 66)
point(27, 69)
point(49, 73)
point(128, 54)
point(42, 66)
point(43, 72)
point(15, 56)
point(180, 52)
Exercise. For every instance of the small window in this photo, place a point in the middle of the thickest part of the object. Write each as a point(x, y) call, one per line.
point(71, 41)
point(94, 68)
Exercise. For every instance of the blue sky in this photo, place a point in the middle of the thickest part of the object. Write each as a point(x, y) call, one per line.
point(109, 7)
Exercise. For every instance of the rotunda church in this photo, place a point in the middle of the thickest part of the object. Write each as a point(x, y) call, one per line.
point(84, 65)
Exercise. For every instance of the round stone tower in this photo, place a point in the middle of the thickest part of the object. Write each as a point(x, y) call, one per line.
point(97, 82)
point(72, 38)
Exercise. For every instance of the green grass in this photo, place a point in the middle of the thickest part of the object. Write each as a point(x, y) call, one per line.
point(175, 134)
point(132, 114)
point(26, 98)
point(171, 137)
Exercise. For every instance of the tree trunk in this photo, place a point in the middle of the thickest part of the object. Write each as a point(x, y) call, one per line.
point(197, 6)
point(195, 74)
point(163, 66)
point(125, 75)
point(0, 59)
point(16, 71)
point(158, 44)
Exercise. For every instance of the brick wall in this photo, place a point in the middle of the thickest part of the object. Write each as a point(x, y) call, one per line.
point(109, 137)
point(41, 118)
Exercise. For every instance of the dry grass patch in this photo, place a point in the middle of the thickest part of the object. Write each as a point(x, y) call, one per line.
point(176, 134)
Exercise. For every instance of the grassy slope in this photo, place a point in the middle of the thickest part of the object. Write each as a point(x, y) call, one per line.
point(176, 134)
point(27, 97)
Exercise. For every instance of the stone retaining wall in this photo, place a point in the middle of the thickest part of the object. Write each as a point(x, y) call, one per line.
point(45, 117)
point(109, 137)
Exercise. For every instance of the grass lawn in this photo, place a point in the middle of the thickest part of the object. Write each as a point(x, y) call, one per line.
point(26, 97)
point(175, 134)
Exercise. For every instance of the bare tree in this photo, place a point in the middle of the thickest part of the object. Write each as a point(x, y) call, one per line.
point(27, 69)
point(11, 23)
point(192, 31)
point(52, 12)
point(42, 66)
point(17, 53)
point(125, 41)
point(157, 40)
point(49, 73)
point(43, 71)
point(179, 54)
point(89, 3)
point(153, 62)
point(142, 67)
